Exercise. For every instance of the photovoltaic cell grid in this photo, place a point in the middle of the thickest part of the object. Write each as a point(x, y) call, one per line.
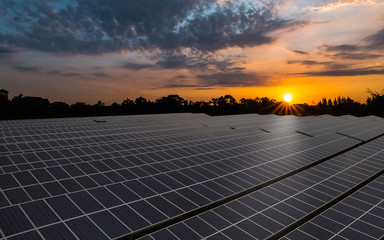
point(265, 212)
point(118, 175)
point(359, 216)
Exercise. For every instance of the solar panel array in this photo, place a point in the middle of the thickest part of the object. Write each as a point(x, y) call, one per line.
point(191, 176)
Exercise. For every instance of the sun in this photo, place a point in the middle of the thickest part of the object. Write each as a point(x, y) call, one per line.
point(287, 97)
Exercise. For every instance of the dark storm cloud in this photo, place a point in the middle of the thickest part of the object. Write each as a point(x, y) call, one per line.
point(6, 51)
point(223, 79)
point(357, 56)
point(351, 52)
point(100, 74)
point(346, 72)
point(328, 65)
point(64, 74)
point(342, 47)
point(100, 26)
point(76, 74)
point(136, 66)
point(194, 60)
point(299, 52)
point(306, 62)
point(234, 79)
point(26, 69)
point(376, 41)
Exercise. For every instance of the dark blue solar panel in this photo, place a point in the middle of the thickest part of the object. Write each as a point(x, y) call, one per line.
point(214, 220)
point(123, 193)
point(100, 179)
point(177, 168)
point(64, 207)
point(3, 149)
point(183, 232)
point(71, 185)
point(86, 182)
point(114, 176)
point(180, 201)
point(85, 201)
point(105, 197)
point(13, 221)
point(40, 213)
point(236, 233)
point(4, 161)
point(165, 206)
point(73, 170)
point(17, 195)
point(7, 181)
point(30, 157)
point(130, 218)
point(206, 192)
point(3, 200)
point(110, 224)
point(36, 192)
point(128, 175)
point(200, 227)
point(148, 212)
point(168, 181)
point(228, 214)
point(155, 185)
point(32, 235)
point(54, 188)
point(253, 229)
point(18, 159)
point(42, 175)
point(193, 196)
point(139, 188)
point(57, 231)
point(85, 229)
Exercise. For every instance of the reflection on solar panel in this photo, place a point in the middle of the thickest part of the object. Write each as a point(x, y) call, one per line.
point(191, 176)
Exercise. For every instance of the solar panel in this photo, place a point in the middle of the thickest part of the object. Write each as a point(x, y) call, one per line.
point(360, 215)
point(288, 202)
point(129, 175)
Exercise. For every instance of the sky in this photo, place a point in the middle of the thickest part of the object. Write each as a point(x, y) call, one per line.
point(111, 50)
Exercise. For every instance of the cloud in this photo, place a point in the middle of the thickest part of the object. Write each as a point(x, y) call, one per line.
point(222, 79)
point(26, 69)
point(357, 56)
point(233, 79)
point(197, 61)
point(299, 52)
point(342, 47)
point(76, 74)
point(307, 62)
point(354, 52)
point(136, 66)
point(100, 74)
point(189, 59)
point(328, 64)
point(335, 4)
point(101, 26)
point(376, 41)
point(64, 74)
point(4, 50)
point(346, 72)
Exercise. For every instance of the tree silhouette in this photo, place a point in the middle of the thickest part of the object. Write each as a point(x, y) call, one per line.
point(36, 107)
point(375, 103)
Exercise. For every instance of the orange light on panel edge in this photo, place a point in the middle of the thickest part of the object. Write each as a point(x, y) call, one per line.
point(287, 97)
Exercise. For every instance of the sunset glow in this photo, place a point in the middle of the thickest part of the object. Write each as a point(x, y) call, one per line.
point(86, 51)
point(288, 97)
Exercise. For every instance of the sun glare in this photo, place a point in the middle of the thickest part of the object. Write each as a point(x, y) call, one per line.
point(287, 97)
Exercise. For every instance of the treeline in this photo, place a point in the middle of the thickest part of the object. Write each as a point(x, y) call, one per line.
point(22, 107)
